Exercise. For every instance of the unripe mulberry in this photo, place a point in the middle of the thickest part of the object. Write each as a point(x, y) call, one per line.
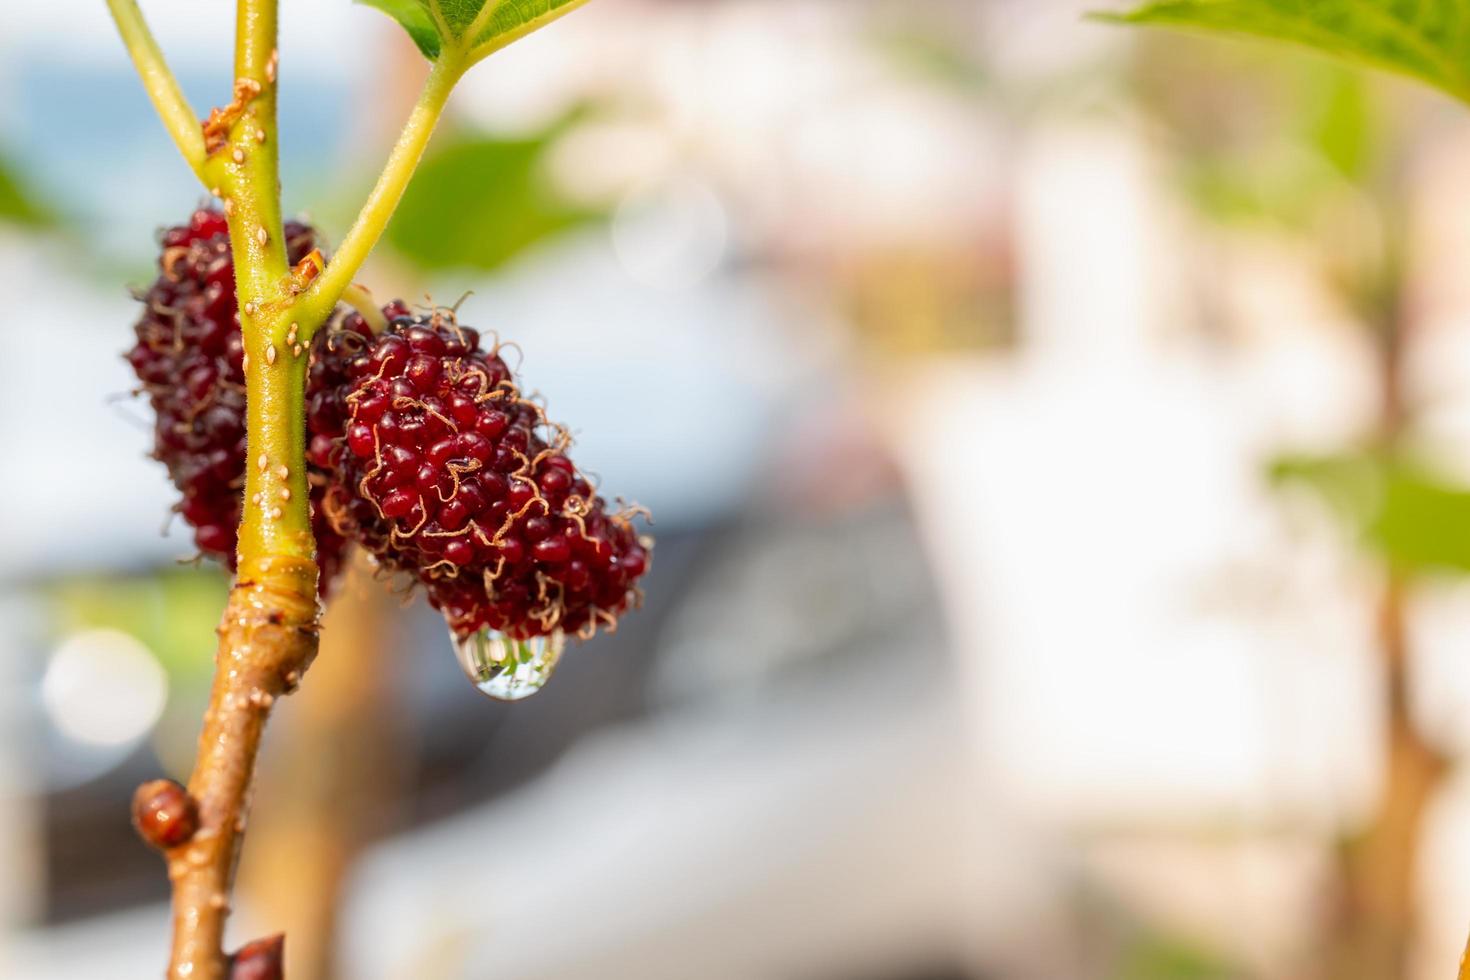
point(445, 471)
point(189, 357)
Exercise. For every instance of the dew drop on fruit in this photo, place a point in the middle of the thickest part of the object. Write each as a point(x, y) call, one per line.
point(507, 669)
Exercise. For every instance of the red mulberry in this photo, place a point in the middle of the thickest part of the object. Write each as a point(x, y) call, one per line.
point(189, 357)
point(445, 471)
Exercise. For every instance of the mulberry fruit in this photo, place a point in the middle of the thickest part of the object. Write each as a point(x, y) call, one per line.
point(444, 470)
point(189, 357)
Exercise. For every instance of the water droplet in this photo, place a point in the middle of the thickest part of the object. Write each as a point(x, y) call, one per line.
point(507, 669)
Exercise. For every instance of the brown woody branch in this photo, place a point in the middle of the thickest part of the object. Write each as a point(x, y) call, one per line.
point(267, 639)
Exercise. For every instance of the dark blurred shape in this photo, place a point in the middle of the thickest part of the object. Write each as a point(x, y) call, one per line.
point(95, 862)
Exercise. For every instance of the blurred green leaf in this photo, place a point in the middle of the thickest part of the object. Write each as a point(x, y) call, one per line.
point(1281, 188)
point(1291, 143)
point(1397, 508)
point(945, 60)
point(174, 612)
point(1162, 958)
point(478, 202)
point(1427, 39)
point(1342, 124)
point(19, 204)
point(434, 23)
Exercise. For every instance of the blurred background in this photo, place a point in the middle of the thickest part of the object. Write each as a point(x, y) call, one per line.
point(1059, 442)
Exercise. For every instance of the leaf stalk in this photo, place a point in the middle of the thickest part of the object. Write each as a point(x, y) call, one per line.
point(158, 81)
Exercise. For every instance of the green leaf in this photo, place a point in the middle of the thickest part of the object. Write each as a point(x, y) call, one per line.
point(436, 24)
point(938, 58)
point(513, 19)
point(19, 204)
point(1165, 958)
point(480, 201)
point(1342, 124)
point(1427, 39)
point(414, 17)
point(1402, 510)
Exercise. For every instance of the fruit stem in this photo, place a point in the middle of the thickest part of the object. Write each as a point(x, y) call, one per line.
point(329, 287)
point(362, 301)
point(163, 89)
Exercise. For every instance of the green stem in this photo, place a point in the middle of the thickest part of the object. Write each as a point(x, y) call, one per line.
point(317, 302)
point(362, 301)
point(163, 89)
point(246, 170)
point(268, 632)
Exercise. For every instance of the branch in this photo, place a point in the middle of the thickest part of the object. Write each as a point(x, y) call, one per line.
point(163, 89)
point(267, 640)
point(267, 637)
point(317, 302)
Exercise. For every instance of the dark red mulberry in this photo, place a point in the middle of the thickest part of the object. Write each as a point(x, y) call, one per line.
point(189, 357)
point(445, 471)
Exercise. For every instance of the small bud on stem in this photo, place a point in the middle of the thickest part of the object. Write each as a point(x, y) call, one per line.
point(164, 813)
point(259, 960)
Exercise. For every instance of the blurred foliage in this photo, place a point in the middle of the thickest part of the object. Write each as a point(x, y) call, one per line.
point(942, 59)
point(1398, 508)
point(1426, 39)
point(479, 201)
point(19, 203)
point(1263, 138)
point(1163, 958)
point(1299, 146)
point(174, 612)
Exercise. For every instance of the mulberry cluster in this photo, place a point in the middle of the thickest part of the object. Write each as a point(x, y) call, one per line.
point(446, 471)
point(421, 448)
point(190, 358)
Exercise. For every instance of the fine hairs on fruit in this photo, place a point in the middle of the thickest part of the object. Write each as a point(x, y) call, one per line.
point(447, 472)
point(421, 448)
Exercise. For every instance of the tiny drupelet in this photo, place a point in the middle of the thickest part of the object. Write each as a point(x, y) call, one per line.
point(189, 357)
point(448, 472)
